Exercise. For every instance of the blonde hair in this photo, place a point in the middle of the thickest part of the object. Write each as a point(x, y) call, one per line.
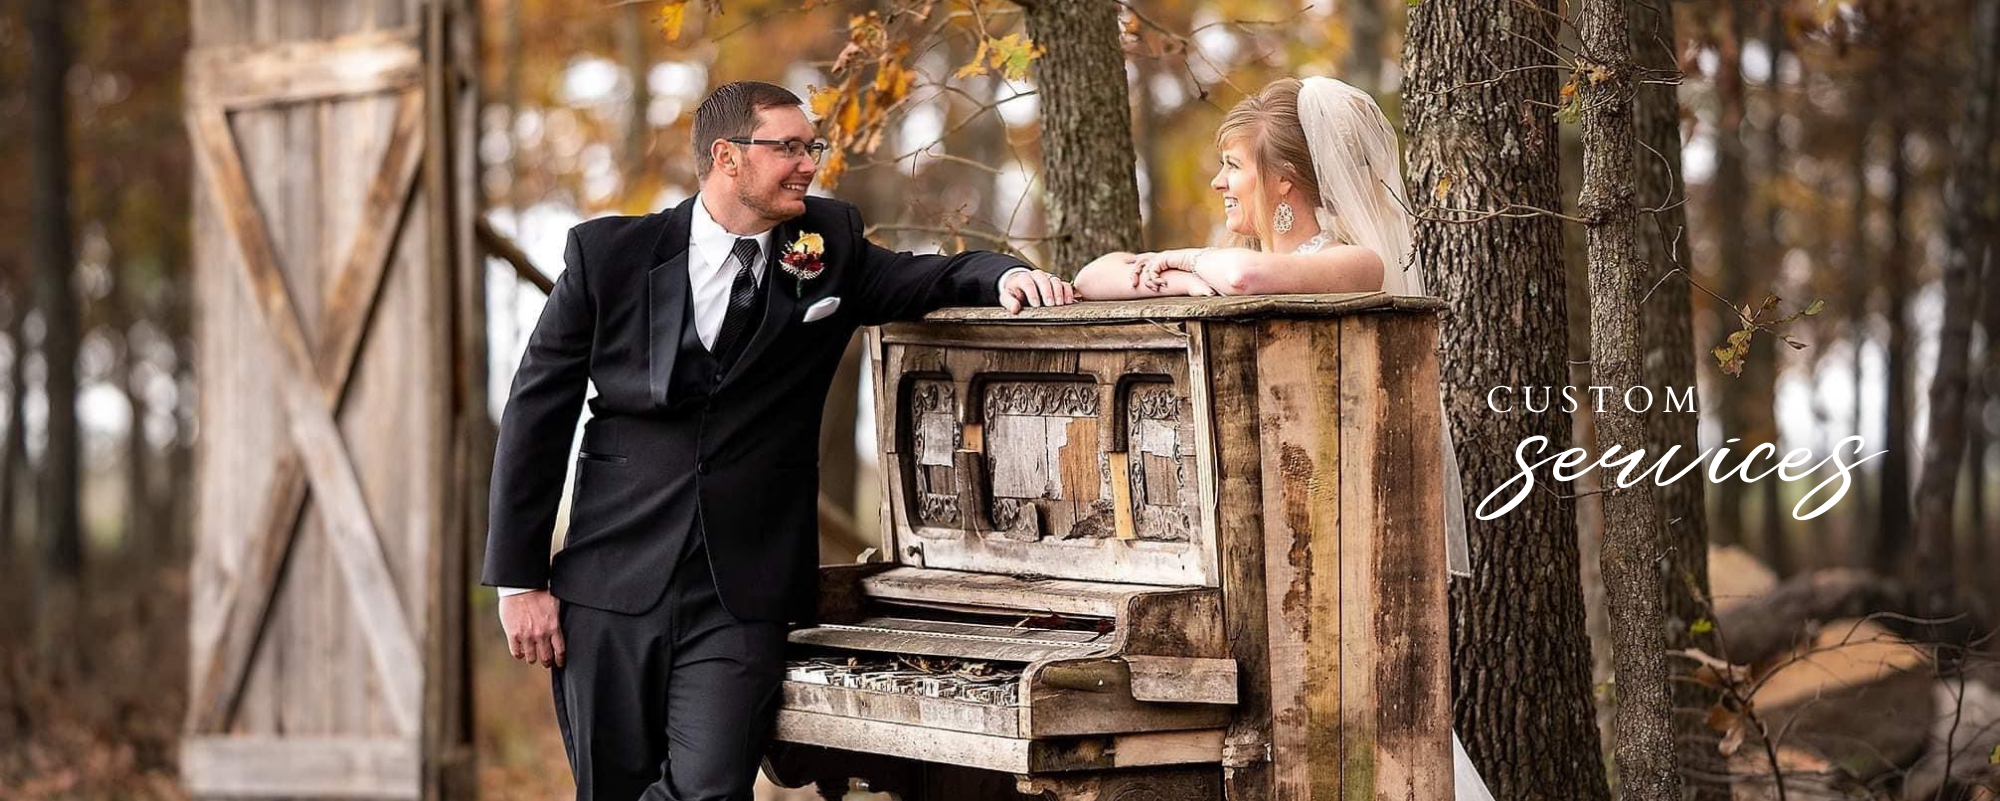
point(1270, 118)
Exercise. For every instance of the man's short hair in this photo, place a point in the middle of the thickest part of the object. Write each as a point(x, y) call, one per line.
point(731, 111)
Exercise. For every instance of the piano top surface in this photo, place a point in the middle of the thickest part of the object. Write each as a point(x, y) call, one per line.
point(1247, 306)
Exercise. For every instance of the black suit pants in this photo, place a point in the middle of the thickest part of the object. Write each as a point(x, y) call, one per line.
point(672, 704)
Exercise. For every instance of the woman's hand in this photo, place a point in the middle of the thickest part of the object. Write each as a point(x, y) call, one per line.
point(1153, 266)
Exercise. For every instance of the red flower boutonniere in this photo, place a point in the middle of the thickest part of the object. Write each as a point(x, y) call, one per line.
point(801, 259)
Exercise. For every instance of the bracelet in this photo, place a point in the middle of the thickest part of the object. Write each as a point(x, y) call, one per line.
point(1196, 258)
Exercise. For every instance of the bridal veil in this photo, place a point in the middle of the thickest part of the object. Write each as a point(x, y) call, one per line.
point(1362, 202)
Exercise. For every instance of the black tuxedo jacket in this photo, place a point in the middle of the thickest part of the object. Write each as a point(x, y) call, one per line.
point(739, 468)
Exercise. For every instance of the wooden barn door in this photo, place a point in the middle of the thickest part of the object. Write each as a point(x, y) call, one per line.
point(342, 404)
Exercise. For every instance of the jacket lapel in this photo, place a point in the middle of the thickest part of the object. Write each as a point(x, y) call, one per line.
point(780, 291)
point(666, 300)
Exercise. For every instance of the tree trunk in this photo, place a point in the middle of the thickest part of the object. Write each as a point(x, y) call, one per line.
point(142, 529)
point(14, 449)
point(1989, 385)
point(1667, 326)
point(1861, 276)
point(1632, 581)
point(1892, 536)
point(59, 518)
point(1727, 191)
point(1367, 26)
point(1087, 156)
point(1520, 660)
point(1966, 221)
point(632, 37)
point(1765, 382)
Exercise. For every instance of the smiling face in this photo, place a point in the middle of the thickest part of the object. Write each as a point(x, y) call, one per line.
point(1247, 196)
point(767, 180)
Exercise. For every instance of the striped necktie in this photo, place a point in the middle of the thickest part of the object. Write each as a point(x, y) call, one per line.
point(737, 322)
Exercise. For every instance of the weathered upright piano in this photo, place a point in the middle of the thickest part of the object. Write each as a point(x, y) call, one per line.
point(1177, 549)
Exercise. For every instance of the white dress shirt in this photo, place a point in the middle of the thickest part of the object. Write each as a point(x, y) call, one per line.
point(711, 273)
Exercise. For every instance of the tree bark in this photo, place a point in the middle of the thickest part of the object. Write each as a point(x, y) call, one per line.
point(1087, 156)
point(14, 449)
point(632, 37)
point(1966, 220)
point(1645, 748)
point(1746, 398)
point(1772, 249)
point(59, 518)
point(1667, 328)
point(1861, 276)
point(1892, 536)
point(142, 529)
point(1989, 388)
point(1520, 660)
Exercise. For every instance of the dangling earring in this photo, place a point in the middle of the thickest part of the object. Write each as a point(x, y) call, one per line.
point(1281, 221)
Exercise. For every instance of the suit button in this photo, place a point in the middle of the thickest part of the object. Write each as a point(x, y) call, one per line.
point(701, 467)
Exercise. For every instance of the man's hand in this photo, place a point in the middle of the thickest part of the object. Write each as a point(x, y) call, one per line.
point(1035, 288)
point(533, 633)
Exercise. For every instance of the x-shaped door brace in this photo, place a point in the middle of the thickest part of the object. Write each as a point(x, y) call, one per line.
point(312, 379)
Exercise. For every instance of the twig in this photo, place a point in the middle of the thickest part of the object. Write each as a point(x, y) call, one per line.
point(499, 246)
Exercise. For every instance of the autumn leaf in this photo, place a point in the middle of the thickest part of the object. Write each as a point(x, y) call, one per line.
point(977, 66)
point(1443, 187)
point(1571, 111)
point(1729, 355)
point(1701, 626)
point(1012, 54)
point(829, 172)
point(672, 15)
point(822, 99)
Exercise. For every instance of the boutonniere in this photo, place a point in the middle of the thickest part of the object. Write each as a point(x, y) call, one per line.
point(801, 259)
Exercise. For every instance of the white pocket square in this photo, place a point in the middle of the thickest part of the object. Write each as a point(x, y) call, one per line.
point(822, 309)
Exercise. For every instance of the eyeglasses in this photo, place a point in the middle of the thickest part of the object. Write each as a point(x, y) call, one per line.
point(792, 148)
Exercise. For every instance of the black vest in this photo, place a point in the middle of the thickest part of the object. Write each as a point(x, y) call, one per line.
point(697, 373)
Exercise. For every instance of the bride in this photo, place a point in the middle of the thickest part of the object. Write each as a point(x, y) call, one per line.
point(1312, 185)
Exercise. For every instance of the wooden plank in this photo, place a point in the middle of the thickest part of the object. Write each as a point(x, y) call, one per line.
point(1298, 406)
point(1185, 622)
point(250, 75)
point(1121, 494)
point(1002, 591)
point(1233, 416)
point(1169, 309)
point(1395, 709)
point(1146, 749)
point(1182, 680)
point(1130, 336)
point(1095, 696)
point(246, 602)
point(1006, 754)
point(903, 708)
point(1201, 394)
point(463, 441)
point(352, 299)
point(267, 766)
point(900, 740)
point(358, 548)
point(887, 401)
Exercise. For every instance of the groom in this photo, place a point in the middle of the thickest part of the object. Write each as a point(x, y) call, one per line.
point(711, 331)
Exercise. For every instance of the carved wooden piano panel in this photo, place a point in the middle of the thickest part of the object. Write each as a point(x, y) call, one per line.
point(1184, 549)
